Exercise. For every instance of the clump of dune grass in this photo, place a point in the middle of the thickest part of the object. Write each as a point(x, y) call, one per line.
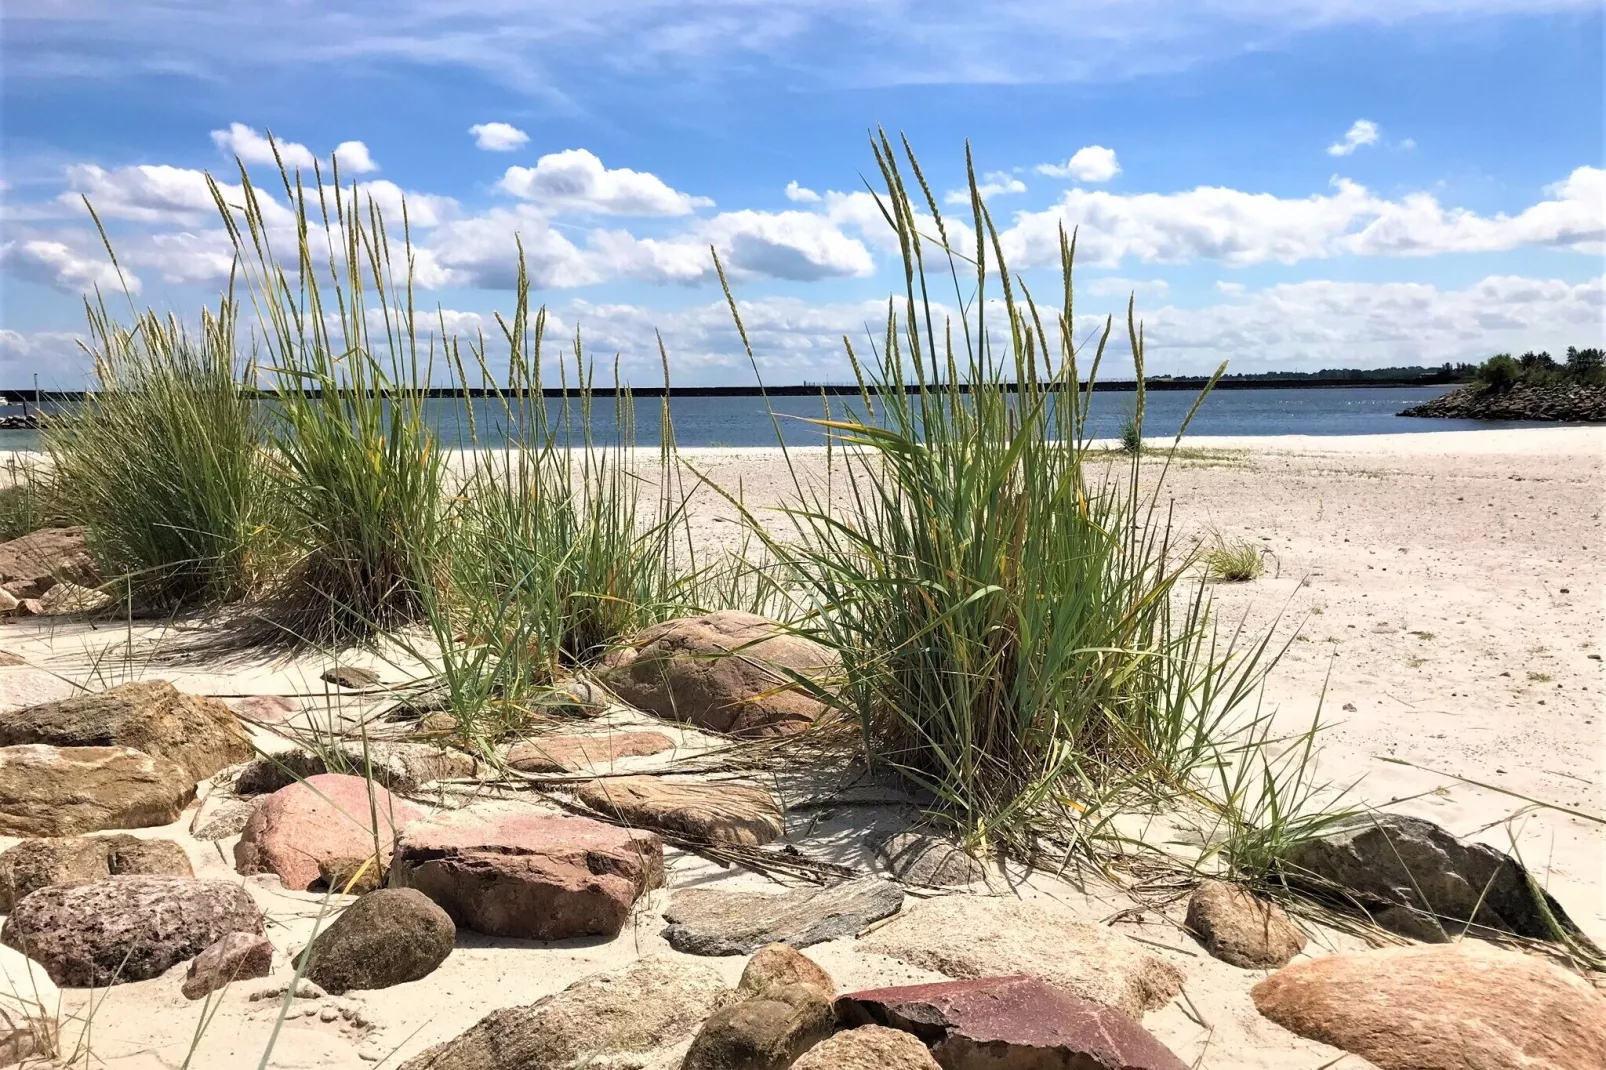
point(1014, 628)
point(1131, 436)
point(163, 462)
point(356, 467)
point(1234, 562)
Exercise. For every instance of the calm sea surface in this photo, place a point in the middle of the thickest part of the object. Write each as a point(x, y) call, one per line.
point(743, 421)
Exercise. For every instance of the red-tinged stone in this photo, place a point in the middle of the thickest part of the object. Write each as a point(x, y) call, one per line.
point(328, 816)
point(1010, 1023)
point(535, 876)
point(572, 754)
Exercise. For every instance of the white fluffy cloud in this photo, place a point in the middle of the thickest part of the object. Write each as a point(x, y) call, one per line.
point(1361, 132)
point(58, 264)
point(253, 147)
point(1094, 163)
point(801, 194)
point(498, 137)
point(574, 180)
point(992, 184)
point(353, 157)
point(1234, 227)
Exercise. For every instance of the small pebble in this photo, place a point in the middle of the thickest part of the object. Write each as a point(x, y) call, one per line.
point(329, 1014)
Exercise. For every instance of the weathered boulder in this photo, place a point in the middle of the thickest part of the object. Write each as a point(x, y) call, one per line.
point(705, 921)
point(536, 876)
point(782, 964)
point(64, 597)
point(767, 1032)
point(354, 677)
point(241, 956)
point(1008, 1022)
point(387, 937)
point(1238, 927)
point(970, 937)
point(574, 754)
point(63, 791)
point(31, 565)
point(711, 813)
point(614, 1017)
point(1416, 879)
point(724, 671)
point(920, 858)
point(126, 928)
point(130, 856)
point(328, 816)
point(35, 864)
point(264, 709)
point(201, 734)
point(401, 767)
point(869, 1047)
point(1464, 1006)
point(29, 1004)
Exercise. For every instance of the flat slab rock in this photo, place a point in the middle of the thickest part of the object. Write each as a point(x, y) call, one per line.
point(535, 876)
point(969, 937)
point(403, 767)
point(201, 734)
point(126, 928)
point(607, 1019)
point(721, 671)
point(703, 921)
point(1465, 1006)
point(64, 791)
point(576, 754)
point(293, 830)
point(1014, 1021)
point(712, 813)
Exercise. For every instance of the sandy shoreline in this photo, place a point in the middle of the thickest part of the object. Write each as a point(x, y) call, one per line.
point(1444, 589)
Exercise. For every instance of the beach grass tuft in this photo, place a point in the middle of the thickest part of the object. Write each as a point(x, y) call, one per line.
point(1235, 562)
point(163, 462)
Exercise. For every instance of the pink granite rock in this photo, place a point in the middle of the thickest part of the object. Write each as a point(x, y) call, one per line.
point(293, 830)
point(537, 876)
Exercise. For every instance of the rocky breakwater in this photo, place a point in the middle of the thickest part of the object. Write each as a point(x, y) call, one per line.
point(1558, 402)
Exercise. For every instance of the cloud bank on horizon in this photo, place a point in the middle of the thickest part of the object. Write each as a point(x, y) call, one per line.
point(1349, 244)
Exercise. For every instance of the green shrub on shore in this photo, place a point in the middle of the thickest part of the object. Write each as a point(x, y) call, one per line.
point(1237, 562)
point(1012, 629)
point(163, 463)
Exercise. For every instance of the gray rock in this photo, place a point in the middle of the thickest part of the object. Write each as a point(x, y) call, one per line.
point(387, 937)
point(201, 734)
point(919, 858)
point(232, 957)
point(703, 921)
point(1416, 879)
point(607, 1019)
point(63, 791)
point(352, 676)
point(220, 817)
point(126, 928)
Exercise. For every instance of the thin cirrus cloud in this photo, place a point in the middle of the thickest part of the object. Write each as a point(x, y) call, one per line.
point(575, 180)
point(252, 147)
point(498, 137)
point(1093, 163)
point(1361, 132)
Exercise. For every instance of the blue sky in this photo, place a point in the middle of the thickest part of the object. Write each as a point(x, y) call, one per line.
point(1299, 184)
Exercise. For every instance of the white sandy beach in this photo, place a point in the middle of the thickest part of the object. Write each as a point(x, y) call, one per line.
point(1444, 603)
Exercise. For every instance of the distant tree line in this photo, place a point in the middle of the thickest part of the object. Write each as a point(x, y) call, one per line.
point(1503, 371)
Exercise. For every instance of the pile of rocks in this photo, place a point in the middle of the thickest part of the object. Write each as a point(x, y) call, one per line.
point(1009, 983)
point(49, 572)
point(1571, 402)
